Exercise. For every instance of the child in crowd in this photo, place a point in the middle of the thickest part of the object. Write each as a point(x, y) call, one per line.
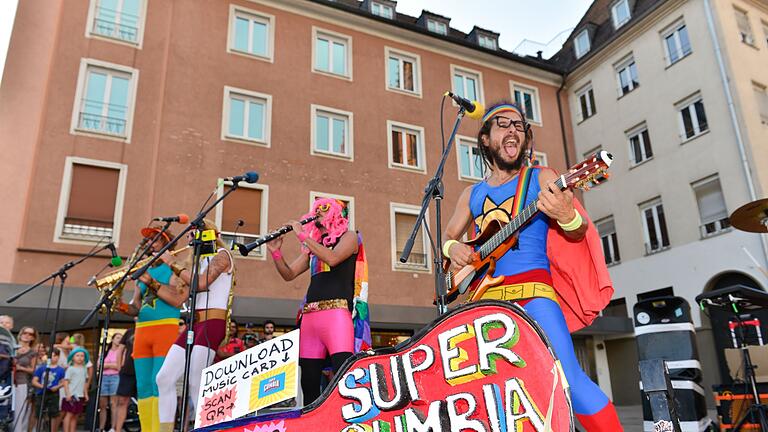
point(74, 388)
point(51, 375)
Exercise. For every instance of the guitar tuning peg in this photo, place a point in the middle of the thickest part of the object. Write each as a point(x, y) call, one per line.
point(606, 174)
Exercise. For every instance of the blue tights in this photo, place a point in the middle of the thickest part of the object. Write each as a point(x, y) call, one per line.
point(586, 396)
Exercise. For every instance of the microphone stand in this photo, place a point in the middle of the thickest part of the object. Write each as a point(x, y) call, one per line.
point(198, 224)
point(61, 274)
point(434, 191)
point(106, 302)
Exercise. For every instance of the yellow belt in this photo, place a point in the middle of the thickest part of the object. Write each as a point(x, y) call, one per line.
point(325, 305)
point(519, 291)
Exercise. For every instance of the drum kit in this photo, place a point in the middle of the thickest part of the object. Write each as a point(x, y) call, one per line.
point(751, 217)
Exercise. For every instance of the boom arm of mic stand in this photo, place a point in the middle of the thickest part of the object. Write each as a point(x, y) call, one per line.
point(434, 190)
point(60, 272)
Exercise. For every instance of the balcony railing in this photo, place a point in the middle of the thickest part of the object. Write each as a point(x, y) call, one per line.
point(113, 24)
point(415, 260)
point(102, 124)
point(86, 232)
point(713, 228)
point(230, 238)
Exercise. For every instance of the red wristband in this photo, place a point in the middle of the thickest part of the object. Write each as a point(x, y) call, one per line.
point(277, 254)
point(302, 236)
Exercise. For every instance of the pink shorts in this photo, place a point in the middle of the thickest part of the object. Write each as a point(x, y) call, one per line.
point(326, 331)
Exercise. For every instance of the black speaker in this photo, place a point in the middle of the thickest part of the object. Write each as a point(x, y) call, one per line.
point(664, 330)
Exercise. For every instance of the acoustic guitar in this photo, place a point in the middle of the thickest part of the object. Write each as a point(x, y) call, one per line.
point(496, 239)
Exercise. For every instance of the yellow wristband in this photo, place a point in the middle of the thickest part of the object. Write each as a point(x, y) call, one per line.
point(573, 225)
point(447, 247)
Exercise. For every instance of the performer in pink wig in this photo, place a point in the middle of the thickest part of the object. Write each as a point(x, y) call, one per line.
point(329, 250)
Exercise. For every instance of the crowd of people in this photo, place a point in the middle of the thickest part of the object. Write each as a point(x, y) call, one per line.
point(56, 383)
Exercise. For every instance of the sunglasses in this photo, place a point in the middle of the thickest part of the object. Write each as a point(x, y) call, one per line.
point(28, 333)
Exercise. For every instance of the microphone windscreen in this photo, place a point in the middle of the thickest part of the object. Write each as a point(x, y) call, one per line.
point(478, 112)
point(251, 177)
point(116, 261)
point(183, 218)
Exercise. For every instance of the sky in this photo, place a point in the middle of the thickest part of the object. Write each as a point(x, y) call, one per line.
point(535, 21)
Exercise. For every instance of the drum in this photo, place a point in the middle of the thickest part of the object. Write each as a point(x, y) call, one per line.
point(484, 367)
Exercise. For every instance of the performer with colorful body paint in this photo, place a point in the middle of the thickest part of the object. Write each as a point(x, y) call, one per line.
point(215, 290)
point(156, 329)
point(531, 273)
point(330, 251)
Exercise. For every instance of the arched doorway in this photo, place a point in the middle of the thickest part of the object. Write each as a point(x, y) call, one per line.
point(717, 319)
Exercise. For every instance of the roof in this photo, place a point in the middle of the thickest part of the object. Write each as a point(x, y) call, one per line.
point(598, 21)
point(410, 23)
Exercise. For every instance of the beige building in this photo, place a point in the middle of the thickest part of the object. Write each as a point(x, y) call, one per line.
point(676, 91)
point(111, 117)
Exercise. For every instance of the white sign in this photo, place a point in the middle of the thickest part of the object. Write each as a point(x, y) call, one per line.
point(246, 382)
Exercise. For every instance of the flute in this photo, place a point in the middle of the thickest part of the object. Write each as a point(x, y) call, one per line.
point(245, 249)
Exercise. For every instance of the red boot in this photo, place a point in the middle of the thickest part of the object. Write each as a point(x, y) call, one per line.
point(605, 420)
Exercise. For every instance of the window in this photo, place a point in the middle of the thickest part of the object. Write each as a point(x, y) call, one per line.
point(347, 201)
point(382, 10)
point(333, 53)
point(331, 132)
point(248, 203)
point(121, 20)
point(251, 33)
point(765, 31)
point(471, 166)
point(626, 73)
point(761, 97)
point(528, 99)
point(607, 230)
point(247, 116)
point(540, 159)
point(639, 145)
point(712, 211)
point(90, 201)
point(655, 226)
point(581, 44)
point(486, 42)
point(586, 99)
point(620, 13)
point(676, 43)
point(467, 83)
point(403, 218)
point(104, 99)
point(437, 27)
point(406, 146)
point(745, 29)
point(693, 119)
point(403, 72)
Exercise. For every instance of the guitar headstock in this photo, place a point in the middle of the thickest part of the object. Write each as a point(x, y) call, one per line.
point(590, 172)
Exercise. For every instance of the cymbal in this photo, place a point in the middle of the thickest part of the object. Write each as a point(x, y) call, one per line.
point(752, 217)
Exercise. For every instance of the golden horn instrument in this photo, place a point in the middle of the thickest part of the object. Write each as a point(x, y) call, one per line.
point(111, 278)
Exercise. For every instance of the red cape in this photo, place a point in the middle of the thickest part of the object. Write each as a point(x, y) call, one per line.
point(579, 274)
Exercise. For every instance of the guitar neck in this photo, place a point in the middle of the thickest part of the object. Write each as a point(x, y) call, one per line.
point(514, 225)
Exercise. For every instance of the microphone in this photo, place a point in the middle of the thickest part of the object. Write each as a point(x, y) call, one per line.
point(180, 218)
point(249, 177)
point(474, 109)
point(116, 261)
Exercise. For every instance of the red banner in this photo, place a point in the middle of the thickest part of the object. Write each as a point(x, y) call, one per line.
point(483, 367)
